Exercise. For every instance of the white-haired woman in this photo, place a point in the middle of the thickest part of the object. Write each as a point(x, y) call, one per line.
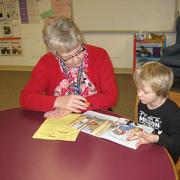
point(72, 76)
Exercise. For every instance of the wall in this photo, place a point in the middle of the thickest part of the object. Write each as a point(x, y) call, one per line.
point(125, 15)
point(119, 44)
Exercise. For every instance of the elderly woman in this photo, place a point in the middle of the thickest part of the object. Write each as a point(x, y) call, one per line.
point(72, 76)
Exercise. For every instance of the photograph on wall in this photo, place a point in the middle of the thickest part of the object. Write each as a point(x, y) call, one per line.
point(10, 46)
point(16, 48)
point(2, 15)
point(11, 10)
point(6, 29)
point(5, 47)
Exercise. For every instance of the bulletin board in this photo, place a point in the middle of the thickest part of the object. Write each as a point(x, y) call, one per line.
point(21, 24)
point(125, 15)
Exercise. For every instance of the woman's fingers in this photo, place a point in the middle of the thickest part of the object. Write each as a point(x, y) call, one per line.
point(62, 113)
point(49, 113)
point(79, 104)
point(75, 109)
point(75, 103)
point(57, 113)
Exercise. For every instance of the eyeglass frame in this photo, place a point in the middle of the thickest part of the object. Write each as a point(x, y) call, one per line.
point(71, 57)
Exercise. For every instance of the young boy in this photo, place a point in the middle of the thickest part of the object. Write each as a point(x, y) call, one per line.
point(154, 81)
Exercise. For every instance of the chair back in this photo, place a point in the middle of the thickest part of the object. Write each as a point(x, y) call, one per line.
point(175, 96)
point(136, 110)
point(178, 30)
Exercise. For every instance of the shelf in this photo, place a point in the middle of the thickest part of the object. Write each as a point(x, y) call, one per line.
point(147, 49)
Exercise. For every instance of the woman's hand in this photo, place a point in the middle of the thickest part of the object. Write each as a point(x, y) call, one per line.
point(57, 113)
point(73, 103)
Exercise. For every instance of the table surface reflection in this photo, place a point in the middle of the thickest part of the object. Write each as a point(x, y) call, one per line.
point(89, 158)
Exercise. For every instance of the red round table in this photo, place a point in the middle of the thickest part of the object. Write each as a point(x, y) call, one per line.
point(89, 158)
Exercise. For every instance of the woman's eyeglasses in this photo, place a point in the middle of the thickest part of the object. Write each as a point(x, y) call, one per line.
point(78, 54)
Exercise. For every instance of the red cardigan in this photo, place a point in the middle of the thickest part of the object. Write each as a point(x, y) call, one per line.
point(38, 94)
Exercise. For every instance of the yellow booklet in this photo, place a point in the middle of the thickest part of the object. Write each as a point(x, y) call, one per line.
point(58, 129)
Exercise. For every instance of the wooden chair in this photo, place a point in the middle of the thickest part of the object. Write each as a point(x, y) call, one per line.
point(175, 96)
point(136, 110)
point(178, 167)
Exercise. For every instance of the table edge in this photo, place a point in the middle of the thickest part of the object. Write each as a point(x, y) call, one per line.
point(172, 163)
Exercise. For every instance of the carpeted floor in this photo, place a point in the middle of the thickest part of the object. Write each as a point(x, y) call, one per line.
point(11, 84)
point(13, 81)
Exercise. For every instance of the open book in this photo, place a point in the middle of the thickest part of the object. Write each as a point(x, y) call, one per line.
point(108, 127)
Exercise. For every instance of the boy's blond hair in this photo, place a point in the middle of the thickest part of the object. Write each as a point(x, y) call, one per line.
point(158, 76)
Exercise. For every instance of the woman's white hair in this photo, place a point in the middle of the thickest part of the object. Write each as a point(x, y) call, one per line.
point(62, 35)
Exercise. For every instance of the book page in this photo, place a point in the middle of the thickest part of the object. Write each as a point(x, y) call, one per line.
point(110, 128)
point(90, 125)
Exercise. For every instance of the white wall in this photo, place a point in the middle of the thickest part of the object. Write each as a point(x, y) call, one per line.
point(178, 6)
point(125, 15)
point(118, 44)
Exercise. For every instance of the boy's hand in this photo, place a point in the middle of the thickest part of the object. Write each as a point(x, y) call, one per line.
point(132, 135)
point(146, 138)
